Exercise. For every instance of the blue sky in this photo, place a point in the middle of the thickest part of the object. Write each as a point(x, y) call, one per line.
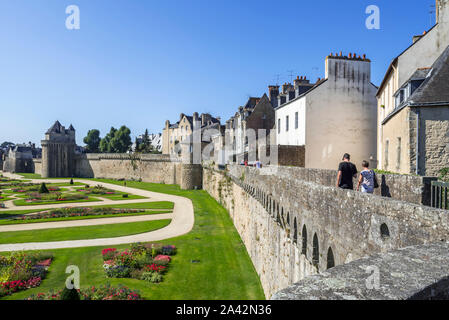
point(141, 62)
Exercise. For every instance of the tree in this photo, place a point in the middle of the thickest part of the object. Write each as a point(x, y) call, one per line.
point(43, 188)
point(146, 141)
point(121, 142)
point(92, 141)
point(70, 294)
point(105, 143)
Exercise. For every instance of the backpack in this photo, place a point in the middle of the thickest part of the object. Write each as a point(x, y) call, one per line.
point(376, 183)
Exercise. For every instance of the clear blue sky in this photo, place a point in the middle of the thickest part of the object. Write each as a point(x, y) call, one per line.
point(140, 62)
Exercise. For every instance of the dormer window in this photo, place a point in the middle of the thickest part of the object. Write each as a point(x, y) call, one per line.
point(400, 97)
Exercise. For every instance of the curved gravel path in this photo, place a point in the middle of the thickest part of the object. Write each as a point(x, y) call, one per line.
point(182, 220)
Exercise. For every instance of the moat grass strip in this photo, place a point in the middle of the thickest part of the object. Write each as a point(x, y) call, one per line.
point(83, 233)
point(15, 222)
point(224, 271)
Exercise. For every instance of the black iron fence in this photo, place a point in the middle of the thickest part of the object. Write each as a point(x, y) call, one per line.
point(439, 197)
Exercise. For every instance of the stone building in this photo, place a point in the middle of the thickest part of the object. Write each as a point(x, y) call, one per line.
point(19, 159)
point(334, 116)
point(175, 133)
point(413, 104)
point(58, 152)
point(242, 130)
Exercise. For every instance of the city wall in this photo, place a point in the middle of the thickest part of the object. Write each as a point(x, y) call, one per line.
point(293, 228)
point(147, 168)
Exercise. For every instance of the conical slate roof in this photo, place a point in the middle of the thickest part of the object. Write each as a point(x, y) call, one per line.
point(57, 128)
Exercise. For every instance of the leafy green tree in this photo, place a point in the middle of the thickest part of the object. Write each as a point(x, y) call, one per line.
point(121, 142)
point(146, 141)
point(92, 141)
point(105, 143)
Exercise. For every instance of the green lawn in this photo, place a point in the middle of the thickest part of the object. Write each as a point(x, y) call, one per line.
point(80, 233)
point(23, 203)
point(30, 175)
point(119, 196)
point(224, 271)
point(163, 205)
point(10, 222)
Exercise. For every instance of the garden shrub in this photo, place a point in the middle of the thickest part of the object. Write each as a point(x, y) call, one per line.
point(43, 188)
point(105, 292)
point(70, 294)
point(152, 277)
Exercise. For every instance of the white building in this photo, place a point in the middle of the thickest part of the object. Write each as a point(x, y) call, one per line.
point(337, 115)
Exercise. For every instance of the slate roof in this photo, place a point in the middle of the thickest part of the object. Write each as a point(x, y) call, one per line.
point(435, 89)
point(57, 128)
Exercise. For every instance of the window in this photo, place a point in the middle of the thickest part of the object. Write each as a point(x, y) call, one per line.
point(286, 123)
point(387, 146)
point(296, 120)
point(279, 125)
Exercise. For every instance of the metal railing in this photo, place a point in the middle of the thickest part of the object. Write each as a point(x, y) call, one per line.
point(439, 195)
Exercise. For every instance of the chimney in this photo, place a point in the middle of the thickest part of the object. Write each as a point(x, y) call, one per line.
point(273, 92)
point(350, 68)
point(442, 11)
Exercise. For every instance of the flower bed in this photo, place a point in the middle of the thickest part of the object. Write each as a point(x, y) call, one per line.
point(147, 262)
point(77, 212)
point(35, 197)
point(105, 292)
point(21, 271)
point(98, 190)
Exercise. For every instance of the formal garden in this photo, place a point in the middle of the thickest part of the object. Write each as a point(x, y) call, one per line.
point(210, 262)
point(23, 193)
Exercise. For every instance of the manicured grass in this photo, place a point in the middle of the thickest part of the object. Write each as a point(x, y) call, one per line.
point(8, 214)
point(10, 222)
point(81, 233)
point(143, 205)
point(119, 197)
point(30, 175)
point(23, 203)
point(163, 205)
point(224, 271)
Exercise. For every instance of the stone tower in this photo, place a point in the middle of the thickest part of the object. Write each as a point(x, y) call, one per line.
point(58, 152)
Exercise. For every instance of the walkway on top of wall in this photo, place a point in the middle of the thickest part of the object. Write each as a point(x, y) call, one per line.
point(182, 220)
point(418, 272)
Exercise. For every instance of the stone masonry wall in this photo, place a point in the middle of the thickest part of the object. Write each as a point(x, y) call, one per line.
point(37, 166)
point(148, 168)
point(409, 188)
point(295, 225)
point(264, 240)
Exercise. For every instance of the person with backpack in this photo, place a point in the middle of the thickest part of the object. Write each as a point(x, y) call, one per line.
point(367, 179)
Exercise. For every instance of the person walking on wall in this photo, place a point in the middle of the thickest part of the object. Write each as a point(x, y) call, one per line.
point(346, 172)
point(367, 179)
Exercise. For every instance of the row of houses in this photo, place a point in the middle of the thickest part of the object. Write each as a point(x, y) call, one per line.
point(400, 126)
